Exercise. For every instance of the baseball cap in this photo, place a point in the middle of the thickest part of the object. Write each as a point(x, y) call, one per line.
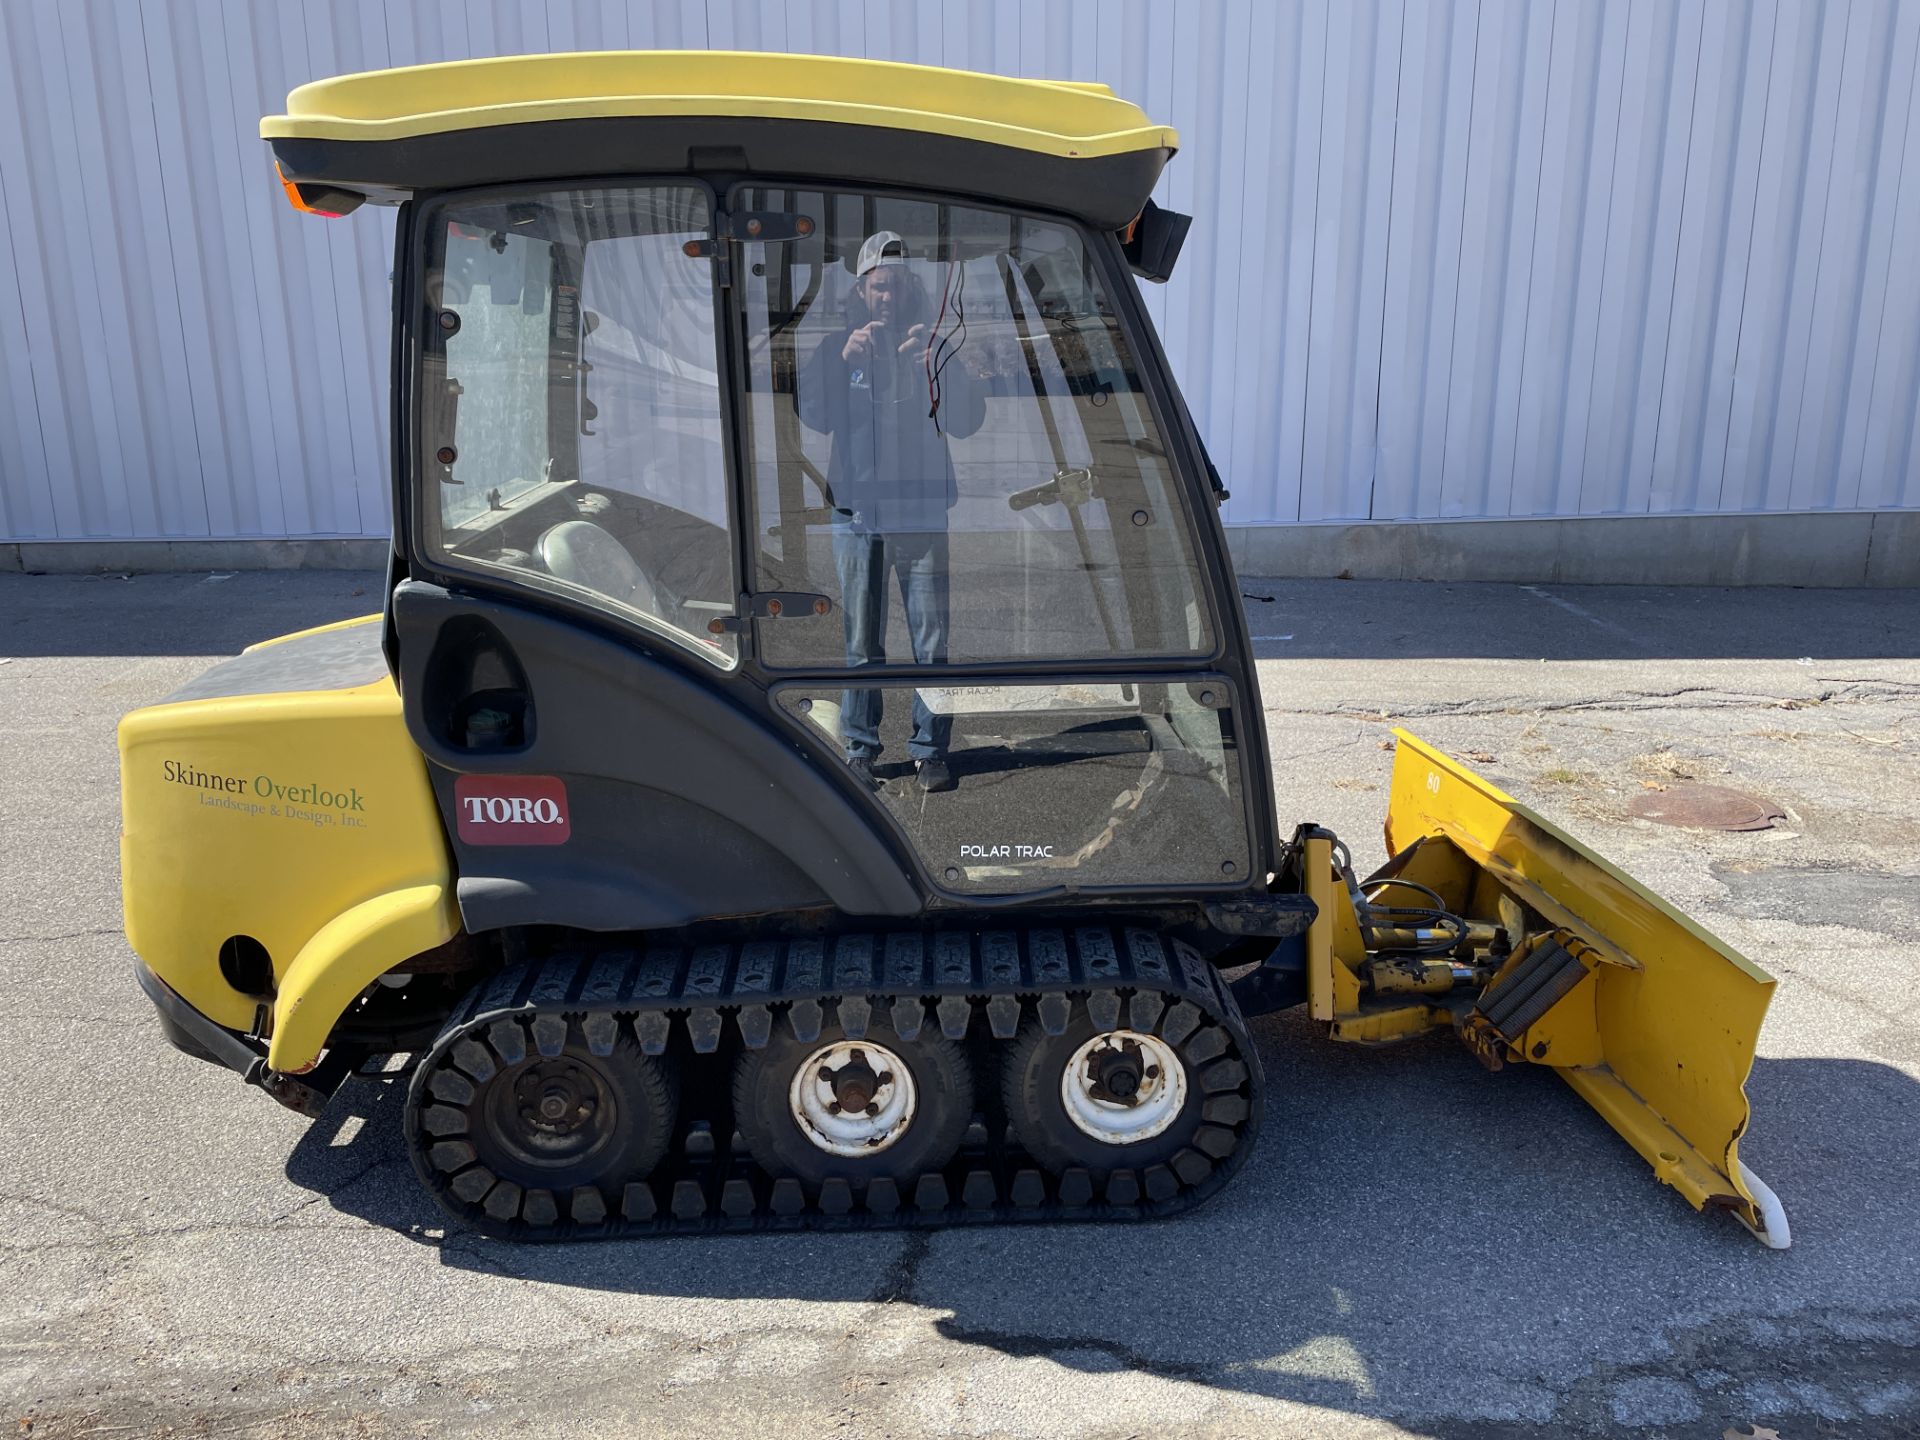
point(883, 247)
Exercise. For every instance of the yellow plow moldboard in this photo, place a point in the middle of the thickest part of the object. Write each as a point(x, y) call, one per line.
point(1660, 1035)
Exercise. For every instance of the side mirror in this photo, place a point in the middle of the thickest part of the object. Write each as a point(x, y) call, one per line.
point(1152, 242)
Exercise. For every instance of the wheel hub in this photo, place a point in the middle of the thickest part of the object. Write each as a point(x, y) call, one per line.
point(1116, 1073)
point(852, 1097)
point(556, 1112)
point(854, 1085)
point(1123, 1087)
point(556, 1096)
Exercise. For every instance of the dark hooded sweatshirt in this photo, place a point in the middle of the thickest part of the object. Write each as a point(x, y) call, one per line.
point(890, 471)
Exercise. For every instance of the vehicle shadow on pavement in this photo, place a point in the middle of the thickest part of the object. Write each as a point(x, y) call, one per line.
point(1411, 1239)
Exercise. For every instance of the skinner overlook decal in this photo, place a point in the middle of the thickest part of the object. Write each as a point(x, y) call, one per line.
point(273, 796)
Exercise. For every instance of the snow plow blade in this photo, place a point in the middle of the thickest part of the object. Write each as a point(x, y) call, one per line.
point(1650, 1018)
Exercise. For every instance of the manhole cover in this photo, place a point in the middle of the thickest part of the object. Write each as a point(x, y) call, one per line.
point(1706, 807)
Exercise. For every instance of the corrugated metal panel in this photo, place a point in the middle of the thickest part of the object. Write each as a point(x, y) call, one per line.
point(1454, 258)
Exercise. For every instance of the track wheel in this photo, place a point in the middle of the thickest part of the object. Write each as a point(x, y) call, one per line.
point(1100, 1100)
point(858, 1110)
point(540, 1138)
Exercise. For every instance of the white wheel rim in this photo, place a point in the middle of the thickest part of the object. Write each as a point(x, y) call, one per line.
point(1157, 1103)
point(837, 1130)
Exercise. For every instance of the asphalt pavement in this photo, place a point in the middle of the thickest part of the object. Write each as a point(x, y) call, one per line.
point(1417, 1247)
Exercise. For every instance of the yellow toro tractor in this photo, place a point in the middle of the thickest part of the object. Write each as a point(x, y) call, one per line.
point(809, 770)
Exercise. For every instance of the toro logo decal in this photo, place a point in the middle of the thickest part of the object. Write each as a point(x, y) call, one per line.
point(512, 810)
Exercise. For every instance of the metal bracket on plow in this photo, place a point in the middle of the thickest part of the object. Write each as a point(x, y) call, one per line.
point(1517, 999)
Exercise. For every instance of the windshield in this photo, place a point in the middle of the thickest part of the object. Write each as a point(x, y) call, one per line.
point(570, 422)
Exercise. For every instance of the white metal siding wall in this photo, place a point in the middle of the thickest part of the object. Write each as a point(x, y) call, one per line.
point(1460, 258)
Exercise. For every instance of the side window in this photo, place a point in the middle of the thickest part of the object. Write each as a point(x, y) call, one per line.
point(948, 437)
point(570, 419)
point(652, 463)
point(498, 287)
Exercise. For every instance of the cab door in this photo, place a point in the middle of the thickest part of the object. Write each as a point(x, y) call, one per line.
point(950, 439)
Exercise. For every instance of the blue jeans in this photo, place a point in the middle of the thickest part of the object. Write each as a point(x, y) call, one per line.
point(865, 561)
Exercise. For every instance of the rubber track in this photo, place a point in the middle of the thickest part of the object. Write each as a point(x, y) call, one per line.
point(677, 998)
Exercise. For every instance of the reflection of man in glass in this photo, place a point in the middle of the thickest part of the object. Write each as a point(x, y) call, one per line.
point(886, 389)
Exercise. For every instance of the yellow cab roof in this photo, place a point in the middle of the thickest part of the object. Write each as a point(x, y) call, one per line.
point(1045, 117)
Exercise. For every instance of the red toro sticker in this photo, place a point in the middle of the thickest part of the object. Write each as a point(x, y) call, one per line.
point(512, 810)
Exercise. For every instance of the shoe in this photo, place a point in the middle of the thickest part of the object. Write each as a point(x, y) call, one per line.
point(862, 768)
point(934, 775)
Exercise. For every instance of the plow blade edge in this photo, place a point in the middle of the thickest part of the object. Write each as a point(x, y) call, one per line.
point(1650, 1018)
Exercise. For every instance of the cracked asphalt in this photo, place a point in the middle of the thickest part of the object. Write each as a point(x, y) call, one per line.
point(1417, 1247)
